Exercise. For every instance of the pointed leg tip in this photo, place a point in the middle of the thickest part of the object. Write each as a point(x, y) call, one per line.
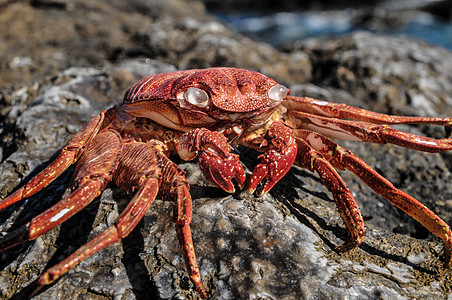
point(201, 291)
point(250, 191)
point(257, 192)
point(230, 191)
point(261, 193)
point(350, 244)
point(226, 186)
point(13, 198)
point(447, 249)
point(199, 287)
point(267, 187)
point(46, 279)
point(241, 184)
point(18, 236)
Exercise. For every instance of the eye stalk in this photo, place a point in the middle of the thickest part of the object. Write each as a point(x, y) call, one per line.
point(277, 93)
point(197, 97)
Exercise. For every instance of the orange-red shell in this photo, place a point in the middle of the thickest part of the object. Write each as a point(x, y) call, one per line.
point(230, 89)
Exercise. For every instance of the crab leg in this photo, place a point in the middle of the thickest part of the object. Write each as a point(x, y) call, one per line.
point(93, 173)
point(343, 111)
point(367, 132)
point(346, 204)
point(182, 219)
point(344, 159)
point(280, 152)
point(68, 155)
point(141, 158)
point(125, 223)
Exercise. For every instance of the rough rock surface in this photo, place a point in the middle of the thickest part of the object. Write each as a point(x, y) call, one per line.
point(279, 246)
point(90, 33)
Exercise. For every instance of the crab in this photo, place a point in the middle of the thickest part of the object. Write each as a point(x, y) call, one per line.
point(204, 113)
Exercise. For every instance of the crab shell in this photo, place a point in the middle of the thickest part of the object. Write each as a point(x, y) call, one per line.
point(233, 94)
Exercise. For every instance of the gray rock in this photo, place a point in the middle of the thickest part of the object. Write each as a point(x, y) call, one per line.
point(387, 74)
point(276, 247)
point(279, 246)
point(89, 34)
point(190, 43)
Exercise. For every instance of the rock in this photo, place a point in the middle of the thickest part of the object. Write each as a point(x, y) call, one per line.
point(91, 33)
point(280, 246)
point(192, 44)
point(395, 75)
point(87, 33)
point(277, 246)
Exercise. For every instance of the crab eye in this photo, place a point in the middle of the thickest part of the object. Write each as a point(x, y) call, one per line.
point(197, 97)
point(277, 93)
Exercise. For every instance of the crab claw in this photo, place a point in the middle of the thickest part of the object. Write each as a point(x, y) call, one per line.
point(276, 161)
point(217, 164)
point(221, 171)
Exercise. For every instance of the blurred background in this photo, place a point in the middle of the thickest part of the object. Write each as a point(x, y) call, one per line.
point(284, 21)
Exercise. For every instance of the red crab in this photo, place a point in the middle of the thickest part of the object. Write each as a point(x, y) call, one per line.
point(202, 113)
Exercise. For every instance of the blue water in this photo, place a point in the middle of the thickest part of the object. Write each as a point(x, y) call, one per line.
point(280, 28)
point(435, 33)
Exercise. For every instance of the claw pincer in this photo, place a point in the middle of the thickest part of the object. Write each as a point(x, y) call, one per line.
point(280, 154)
point(217, 164)
point(204, 113)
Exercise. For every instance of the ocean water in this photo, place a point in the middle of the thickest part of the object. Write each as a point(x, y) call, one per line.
point(285, 27)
